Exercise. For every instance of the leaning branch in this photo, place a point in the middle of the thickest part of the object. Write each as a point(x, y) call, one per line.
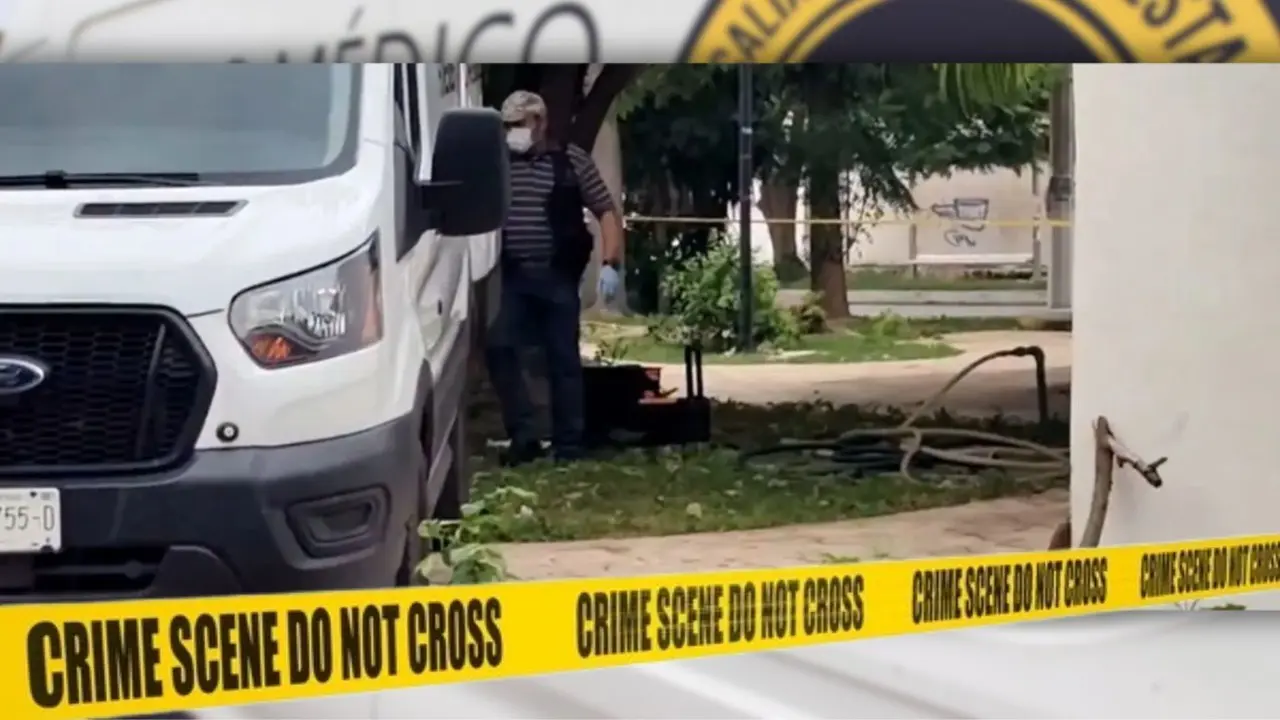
point(610, 83)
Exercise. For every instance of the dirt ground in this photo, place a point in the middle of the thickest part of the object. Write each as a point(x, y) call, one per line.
point(1008, 525)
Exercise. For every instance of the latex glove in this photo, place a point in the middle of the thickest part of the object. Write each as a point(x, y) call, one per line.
point(609, 282)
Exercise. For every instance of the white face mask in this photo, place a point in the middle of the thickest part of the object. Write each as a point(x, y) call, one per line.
point(520, 139)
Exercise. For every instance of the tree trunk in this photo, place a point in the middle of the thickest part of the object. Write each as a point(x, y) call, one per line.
point(826, 242)
point(778, 201)
point(561, 89)
point(573, 114)
point(601, 85)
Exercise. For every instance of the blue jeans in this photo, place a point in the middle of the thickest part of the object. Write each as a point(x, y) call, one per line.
point(540, 308)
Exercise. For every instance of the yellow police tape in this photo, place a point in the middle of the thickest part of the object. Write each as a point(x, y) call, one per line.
point(123, 658)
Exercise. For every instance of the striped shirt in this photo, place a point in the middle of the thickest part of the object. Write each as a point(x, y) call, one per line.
point(527, 238)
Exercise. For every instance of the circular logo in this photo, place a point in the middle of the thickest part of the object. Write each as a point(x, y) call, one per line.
point(19, 374)
point(768, 31)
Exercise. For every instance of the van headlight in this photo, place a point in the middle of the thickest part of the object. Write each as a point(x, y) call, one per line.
point(316, 315)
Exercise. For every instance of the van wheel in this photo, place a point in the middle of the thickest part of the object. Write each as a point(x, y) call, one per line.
point(457, 483)
point(415, 546)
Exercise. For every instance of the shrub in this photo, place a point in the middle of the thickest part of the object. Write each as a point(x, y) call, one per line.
point(464, 554)
point(810, 318)
point(705, 294)
point(889, 325)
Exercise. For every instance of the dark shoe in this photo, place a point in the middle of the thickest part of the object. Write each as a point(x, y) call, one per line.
point(521, 454)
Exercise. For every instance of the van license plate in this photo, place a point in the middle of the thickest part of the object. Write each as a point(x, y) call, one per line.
point(30, 520)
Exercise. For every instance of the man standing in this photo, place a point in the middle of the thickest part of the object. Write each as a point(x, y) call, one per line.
point(546, 247)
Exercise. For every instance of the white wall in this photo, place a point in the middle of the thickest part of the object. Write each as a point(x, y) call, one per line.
point(1003, 195)
point(1177, 296)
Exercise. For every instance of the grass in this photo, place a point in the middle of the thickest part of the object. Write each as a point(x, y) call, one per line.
point(851, 340)
point(883, 337)
point(834, 347)
point(872, 279)
point(707, 489)
point(926, 328)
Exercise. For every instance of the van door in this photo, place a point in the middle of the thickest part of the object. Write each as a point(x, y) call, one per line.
point(440, 269)
point(484, 248)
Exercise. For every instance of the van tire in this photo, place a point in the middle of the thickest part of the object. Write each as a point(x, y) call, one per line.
point(457, 484)
point(415, 546)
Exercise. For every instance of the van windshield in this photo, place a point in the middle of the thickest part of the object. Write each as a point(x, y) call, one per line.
point(224, 123)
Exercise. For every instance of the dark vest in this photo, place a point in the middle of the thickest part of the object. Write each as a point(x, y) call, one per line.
point(573, 241)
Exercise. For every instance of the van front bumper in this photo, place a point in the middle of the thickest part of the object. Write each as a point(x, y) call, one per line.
point(316, 516)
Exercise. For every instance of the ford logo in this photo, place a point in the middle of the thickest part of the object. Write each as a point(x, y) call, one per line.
point(19, 374)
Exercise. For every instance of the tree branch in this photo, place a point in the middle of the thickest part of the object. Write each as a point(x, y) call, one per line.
point(611, 81)
point(560, 87)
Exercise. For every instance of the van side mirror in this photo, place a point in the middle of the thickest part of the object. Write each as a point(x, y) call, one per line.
point(470, 187)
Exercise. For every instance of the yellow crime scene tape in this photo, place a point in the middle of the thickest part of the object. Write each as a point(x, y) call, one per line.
point(112, 659)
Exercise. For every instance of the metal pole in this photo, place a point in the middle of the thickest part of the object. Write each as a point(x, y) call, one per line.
point(746, 178)
point(1060, 195)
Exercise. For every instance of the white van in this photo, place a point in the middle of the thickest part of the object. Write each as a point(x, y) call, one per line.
point(236, 308)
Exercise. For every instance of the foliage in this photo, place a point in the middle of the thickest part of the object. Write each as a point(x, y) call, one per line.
point(705, 296)
point(887, 124)
point(891, 124)
point(809, 317)
point(611, 351)
point(863, 212)
point(889, 325)
point(840, 347)
point(678, 161)
point(994, 84)
point(464, 555)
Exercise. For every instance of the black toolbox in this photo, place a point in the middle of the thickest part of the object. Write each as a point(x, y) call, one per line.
point(624, 405)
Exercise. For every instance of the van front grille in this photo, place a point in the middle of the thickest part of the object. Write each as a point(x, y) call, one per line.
point(126, 390)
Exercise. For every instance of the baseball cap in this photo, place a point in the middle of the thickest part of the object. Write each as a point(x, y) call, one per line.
point(522, 104)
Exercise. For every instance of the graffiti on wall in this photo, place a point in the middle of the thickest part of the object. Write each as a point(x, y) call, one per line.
point(970, 214)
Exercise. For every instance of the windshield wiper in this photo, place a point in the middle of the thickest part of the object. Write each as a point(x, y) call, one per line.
point(61, 180)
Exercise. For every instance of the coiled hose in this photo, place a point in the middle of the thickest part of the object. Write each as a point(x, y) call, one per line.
point(907, 447)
